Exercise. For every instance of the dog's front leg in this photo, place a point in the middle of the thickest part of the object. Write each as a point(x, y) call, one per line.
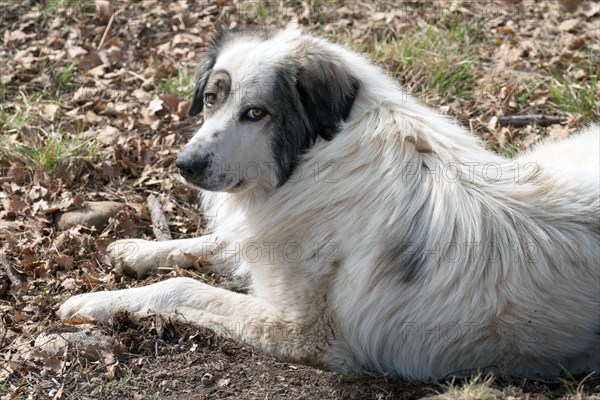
point(243, 318)
point(140, 257)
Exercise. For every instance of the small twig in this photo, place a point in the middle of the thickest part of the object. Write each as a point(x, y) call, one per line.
point(523, 120)
point(105, 34)
point(160, 225)
point(10, 272)
point(138, 76)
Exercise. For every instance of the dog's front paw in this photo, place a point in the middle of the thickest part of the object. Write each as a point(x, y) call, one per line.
point(137, 257)
point(99, 306)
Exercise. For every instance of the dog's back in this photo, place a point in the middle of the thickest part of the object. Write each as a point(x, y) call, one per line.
point(580, 149)
point(573, 163)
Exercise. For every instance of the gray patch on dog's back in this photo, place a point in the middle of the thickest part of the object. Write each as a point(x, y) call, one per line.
point(403, 258)
point(407, 257)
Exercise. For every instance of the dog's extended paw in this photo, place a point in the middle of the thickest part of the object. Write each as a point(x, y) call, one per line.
point(99, 306)
point(137, 257)
point(161, 297)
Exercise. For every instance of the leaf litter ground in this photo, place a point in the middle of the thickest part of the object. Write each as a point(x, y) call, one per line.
point(94, 96)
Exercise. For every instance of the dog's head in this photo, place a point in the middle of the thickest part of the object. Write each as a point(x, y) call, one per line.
point(267, 97)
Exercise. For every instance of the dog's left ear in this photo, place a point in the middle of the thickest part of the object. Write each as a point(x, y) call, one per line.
point(202, 75)
point(205, 68)
point(327, 92)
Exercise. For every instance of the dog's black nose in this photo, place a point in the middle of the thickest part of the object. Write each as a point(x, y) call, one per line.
point(191, 166)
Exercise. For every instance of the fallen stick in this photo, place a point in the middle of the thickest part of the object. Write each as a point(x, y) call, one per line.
point(160, 225)
point(10, 272)
point(107, 29)
point(522, 120)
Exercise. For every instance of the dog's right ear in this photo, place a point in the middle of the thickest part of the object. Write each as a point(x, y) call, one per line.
point(204, 70)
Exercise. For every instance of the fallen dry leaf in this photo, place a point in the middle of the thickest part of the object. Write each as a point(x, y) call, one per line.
point(558, 131)
point(103, 11)
point(576, 43)
point(16, 36)
point(156, 105)
point(570, 5)
point(49, 111)
point(76, 51)
point(569, 24)
point(592, 9)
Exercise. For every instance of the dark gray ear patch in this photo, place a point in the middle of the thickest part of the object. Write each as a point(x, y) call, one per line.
point(205, 69)
point(327, 92)
point(202, 76)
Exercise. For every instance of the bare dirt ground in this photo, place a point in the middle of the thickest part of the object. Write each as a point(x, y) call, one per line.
point(93, 99)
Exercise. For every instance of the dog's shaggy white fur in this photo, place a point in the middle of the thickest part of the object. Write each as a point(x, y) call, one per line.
point(383, 237)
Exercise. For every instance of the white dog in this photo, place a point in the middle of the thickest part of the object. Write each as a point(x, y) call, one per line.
point(379, 236)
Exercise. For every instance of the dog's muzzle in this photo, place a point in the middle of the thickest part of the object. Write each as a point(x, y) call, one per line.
point(191, 166)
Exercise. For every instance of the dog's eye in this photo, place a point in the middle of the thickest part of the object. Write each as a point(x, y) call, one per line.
point(254, 114)
point(210, 99)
